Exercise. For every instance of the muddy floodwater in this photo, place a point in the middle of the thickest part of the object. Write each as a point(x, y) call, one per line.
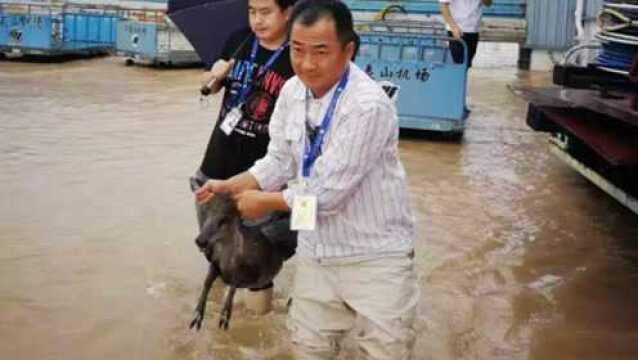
point(519, 257)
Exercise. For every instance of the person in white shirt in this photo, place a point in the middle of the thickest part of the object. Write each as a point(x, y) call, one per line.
point(463, 20)
point(334, 144)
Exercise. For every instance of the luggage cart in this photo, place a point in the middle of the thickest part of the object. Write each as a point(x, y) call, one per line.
point(149, 36)
point(414, 64)
point(56, 29)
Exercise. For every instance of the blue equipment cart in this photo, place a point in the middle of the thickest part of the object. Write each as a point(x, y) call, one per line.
point(56, 29)
point(147, 35)
point(412, 61)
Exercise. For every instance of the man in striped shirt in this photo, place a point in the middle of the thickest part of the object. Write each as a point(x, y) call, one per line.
point(334, 137)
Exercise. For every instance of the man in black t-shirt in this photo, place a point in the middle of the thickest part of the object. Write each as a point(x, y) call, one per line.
point(254, 65)
point(252, 86)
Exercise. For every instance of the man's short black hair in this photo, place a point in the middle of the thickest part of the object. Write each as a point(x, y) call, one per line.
point(285, 4)
point(308, 12)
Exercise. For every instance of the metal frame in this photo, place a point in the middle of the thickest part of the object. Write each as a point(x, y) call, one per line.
point(617, 193)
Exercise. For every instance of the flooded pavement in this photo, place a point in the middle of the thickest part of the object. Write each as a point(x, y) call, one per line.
point(519, 256)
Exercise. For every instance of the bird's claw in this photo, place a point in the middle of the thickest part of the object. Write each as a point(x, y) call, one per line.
point(197, 321)
point(224, 320)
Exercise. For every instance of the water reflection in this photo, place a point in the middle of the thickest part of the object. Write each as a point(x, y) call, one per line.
point(519, 256)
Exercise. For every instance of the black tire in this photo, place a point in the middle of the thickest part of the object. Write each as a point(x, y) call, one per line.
point(456, 136)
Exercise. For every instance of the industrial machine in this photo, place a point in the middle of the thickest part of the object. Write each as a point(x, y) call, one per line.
point(591, 116)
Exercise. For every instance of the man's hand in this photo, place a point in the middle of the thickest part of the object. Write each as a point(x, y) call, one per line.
point(234, 185)
point(210, 188)
point(487, 2)
point(253, 204)
point(456, 31)
point(218, 72)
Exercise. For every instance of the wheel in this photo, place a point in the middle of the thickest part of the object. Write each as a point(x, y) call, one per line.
point(456, 135)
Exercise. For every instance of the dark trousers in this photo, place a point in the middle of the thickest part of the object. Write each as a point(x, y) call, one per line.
point(456, 48)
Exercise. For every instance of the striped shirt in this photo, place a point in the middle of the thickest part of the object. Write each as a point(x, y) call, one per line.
point(362, 200)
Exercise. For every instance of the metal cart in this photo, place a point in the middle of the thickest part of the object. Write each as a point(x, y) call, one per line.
point(149, 36)
point(56, 29)
point(414, 64)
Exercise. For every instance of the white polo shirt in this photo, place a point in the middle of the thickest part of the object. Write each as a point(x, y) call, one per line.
point(466, 13)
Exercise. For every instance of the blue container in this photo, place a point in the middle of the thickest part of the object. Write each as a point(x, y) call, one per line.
point(48, 29)
point(148, 36)
point(419, 67)
point(137, 39)
point(84, 31)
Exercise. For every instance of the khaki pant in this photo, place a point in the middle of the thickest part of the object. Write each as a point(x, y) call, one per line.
point(379, 296)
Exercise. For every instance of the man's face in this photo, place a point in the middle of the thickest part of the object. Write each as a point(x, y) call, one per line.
point(317, 56)
point(267, 20)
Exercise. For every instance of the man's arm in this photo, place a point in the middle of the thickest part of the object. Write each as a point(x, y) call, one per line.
point(254, 204)
point(236, 184)
point(251, 202)
point(214, 78)
point(276, 168)
point(257, 191)
point(270, 173)
point(449, 20)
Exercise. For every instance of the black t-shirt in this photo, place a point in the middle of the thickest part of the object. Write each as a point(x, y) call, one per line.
point(228, 155)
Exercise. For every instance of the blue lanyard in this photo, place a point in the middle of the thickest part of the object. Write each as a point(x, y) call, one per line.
point(245, 86)
point(311, 151)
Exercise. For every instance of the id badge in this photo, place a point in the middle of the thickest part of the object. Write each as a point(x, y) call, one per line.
point(231, 120)
point(304, 213)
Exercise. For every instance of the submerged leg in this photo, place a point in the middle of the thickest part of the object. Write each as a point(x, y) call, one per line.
point(228, 308)
point(201, 304)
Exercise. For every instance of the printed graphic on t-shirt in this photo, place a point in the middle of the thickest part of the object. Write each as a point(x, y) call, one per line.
point(260, 100)
point(258, 104)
